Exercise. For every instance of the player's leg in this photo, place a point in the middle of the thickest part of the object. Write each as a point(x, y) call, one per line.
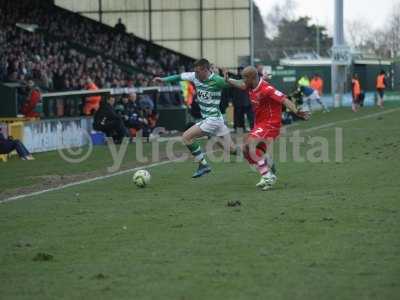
point(228, 145)
point(381, 96)
point(268, 156)
point(194, 147)
point(254, 152)
point(315, 97)
point(261, 149)
point(308, 102)
point(225, 138)
point(318, 99)
point(353, 104)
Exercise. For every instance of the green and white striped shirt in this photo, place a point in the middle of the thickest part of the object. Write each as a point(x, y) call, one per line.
point(208, 92)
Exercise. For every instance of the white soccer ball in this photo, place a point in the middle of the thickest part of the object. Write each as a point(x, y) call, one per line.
point(141, 178)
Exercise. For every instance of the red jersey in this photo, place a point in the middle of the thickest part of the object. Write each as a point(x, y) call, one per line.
point(267, 105)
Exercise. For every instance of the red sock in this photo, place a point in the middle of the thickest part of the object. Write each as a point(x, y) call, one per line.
point(257, 158)
point(262, 167)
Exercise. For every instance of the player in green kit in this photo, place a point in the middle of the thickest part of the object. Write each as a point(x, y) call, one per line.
point(209, 88)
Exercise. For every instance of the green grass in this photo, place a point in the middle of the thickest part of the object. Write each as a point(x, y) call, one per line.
point(50, 165)
point(327, 231)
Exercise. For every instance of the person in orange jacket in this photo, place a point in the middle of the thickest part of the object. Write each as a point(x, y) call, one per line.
point(380, 87)
point(355, 92)
point(317, 84)
point(93, 102)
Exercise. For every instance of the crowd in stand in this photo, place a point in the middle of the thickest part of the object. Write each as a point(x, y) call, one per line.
point(56, 64)
point(52, 64)
point(120, 46)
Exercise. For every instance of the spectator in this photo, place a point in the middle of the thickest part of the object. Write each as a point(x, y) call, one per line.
point(264, 72)
point(317, 84)
point(297, 98)
point(120, 26)
point(55, 65)
point(311, 95)
point(152, 118)
point(242, 107)
point(145, 102)
point(380, 87)
point(92, 103)
point(32, 99)
point(303, 81)
point(8, 145)
point(133, 116)
point(138, 118)
point(355, 92)
point(108, 121)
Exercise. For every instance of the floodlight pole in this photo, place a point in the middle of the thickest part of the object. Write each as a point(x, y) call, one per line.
point(318, 41)
point(251, 32)
point(100, 11)
point(338, 71)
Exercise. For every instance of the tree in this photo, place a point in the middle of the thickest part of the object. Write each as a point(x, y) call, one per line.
point(299, 34)
point(393, 32)
point(383, 42)
point(358, 33)
point(295, 36)
point(279, 12)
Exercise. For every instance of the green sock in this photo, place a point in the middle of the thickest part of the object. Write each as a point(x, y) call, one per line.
point(196, 151)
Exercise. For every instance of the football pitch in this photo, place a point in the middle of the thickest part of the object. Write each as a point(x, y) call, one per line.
point(329, 229)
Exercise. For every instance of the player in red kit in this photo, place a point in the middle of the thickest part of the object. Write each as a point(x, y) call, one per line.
point(267, 106)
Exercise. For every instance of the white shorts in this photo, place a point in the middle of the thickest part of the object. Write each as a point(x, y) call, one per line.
point(214, 127)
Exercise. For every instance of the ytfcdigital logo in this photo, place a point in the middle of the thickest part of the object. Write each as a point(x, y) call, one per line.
point(76, 155)
point(294, 146)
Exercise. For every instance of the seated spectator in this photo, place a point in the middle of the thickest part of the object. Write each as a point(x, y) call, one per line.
point(8, 145)
point(107, 120)
point(152, 118)
point(138, 117)
point(133, 114)
point(145, 102)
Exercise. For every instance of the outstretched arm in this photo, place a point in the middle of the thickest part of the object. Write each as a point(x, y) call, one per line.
point(190, 76)
point(233, 82)
point(289, 104)
point(171, 78)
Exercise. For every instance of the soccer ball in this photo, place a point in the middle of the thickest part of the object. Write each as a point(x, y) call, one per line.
point(141, 178)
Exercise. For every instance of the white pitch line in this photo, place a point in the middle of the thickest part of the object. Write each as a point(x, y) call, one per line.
point(61, 187)
point(174, 160)
point(351, 120)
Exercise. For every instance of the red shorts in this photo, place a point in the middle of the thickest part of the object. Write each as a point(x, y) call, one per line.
point(265, 132)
